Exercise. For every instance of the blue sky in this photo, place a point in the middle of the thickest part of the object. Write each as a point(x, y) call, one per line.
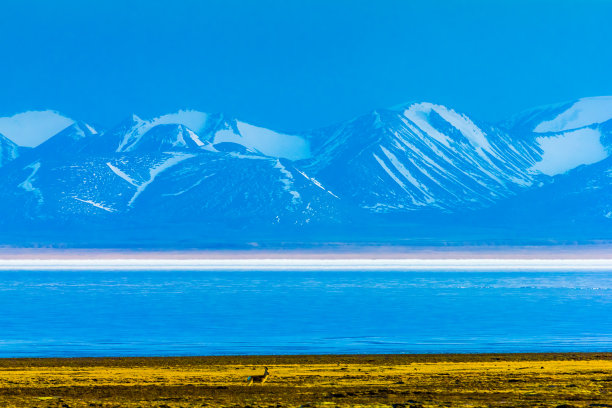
point(294, 65)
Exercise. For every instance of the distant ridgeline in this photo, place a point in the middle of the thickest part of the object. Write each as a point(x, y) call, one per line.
point(415, 174)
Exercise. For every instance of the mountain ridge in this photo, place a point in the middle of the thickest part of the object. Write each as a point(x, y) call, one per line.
point(412, 166)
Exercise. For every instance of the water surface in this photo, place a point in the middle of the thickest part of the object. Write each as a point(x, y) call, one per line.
point(210, 313)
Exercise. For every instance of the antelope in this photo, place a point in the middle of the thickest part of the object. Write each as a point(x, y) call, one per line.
point(258, 378)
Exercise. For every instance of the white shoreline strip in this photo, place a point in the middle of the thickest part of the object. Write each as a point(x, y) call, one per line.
point(307, 264)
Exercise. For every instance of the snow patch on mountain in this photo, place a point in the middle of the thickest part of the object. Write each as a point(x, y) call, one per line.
point(419, 114)
point(569, 150)
point(204, 131)
point(134, 135)
point(317, 183)
point(389, 172)
point(266, 141)
point(287, 181)
point(176, 130)
point(8, 150)
point(175, 158)
point(192, 119)
point(32, 128)
point(27, 183)
point(397, 164)
point(91, 129)
point(97, 205)
point(121, 174)
point(584, 112)
point(191, 187)
point(193, 136)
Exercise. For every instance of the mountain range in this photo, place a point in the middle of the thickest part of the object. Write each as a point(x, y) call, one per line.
point(415, 173)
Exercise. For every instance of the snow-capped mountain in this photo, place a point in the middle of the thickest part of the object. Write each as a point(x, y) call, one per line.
point(154, 169)
point(202, 130)
point(421, 156)
point(417, 163)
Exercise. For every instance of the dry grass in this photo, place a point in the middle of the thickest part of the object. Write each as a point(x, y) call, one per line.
point(512, 380)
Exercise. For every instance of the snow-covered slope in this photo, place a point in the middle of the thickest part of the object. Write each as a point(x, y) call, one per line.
point(176, 186)
point(8, 150)
point(164, 137)
point(222, 129)
point(560, 117)
point(266, 141)
point(583, 112)
point(166, 132)
point(191, 119)
point(34, 127)
point(232, 188)
point(569, 134)
point(202, 129)
point(567, 150)
point(421, 156)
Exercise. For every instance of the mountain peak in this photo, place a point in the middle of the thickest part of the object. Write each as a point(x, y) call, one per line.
point(32, 128)
point(68, 139)
point(427, 115)
point(166, 137)
point(194, 120)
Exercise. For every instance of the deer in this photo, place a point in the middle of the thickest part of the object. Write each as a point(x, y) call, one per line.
point(258, 378)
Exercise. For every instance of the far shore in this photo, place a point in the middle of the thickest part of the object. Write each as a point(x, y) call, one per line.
point(340, 258)
point(327, 251)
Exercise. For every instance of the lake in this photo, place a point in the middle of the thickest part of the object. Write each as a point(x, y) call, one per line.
point(115, 313)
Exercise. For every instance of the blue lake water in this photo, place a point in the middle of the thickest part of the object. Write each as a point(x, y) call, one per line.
point(211, 313)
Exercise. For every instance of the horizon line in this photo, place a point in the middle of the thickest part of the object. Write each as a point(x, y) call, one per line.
point(304, 264)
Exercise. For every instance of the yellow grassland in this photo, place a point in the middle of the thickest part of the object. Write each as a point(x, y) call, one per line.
point(512, 380)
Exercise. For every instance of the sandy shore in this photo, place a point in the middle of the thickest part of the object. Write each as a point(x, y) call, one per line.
point(494, 380)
